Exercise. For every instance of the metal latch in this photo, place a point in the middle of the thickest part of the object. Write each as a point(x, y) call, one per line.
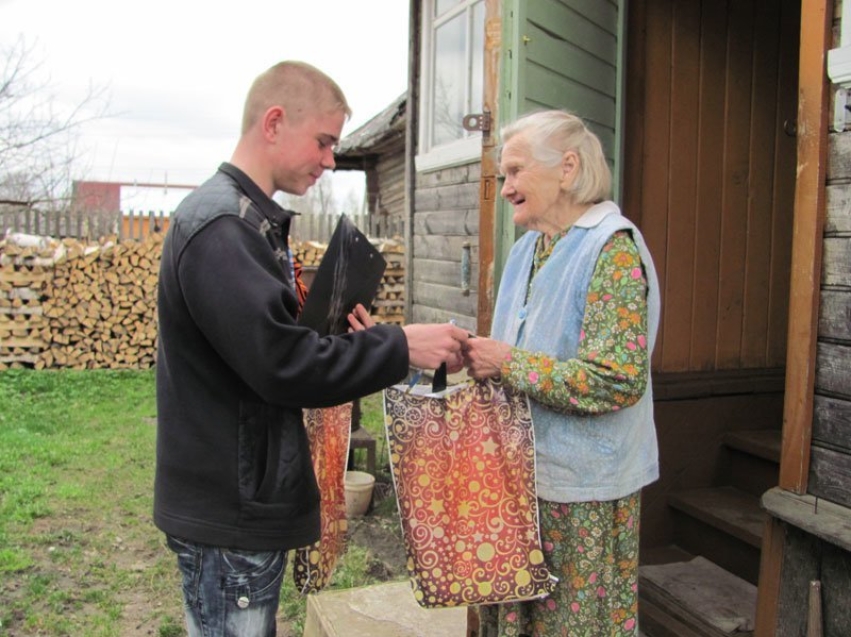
point(477, 122)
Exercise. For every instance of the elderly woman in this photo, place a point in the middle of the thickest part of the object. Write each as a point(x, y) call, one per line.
point(573, 328)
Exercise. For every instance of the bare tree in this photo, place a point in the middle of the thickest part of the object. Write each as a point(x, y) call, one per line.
point(38, 137)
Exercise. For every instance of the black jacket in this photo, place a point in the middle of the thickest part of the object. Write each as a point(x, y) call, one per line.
point(234, 371)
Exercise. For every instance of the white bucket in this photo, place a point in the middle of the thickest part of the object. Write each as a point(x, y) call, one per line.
point(359, 486)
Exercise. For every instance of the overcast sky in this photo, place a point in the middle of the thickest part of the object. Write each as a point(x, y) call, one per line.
point(177, 71)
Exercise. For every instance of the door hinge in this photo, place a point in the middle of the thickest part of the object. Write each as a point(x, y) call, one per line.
point(477, 122)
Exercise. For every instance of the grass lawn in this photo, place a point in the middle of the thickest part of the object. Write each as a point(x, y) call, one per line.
point(79, 554)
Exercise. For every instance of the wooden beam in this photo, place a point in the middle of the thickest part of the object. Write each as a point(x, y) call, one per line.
point(771, 561)
point(488, 185)
point(412, 118)
point(807, 241)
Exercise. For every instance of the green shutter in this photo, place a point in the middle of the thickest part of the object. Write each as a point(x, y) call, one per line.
point(562, 54)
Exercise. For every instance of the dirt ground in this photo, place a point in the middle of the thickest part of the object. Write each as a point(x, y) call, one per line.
point(153, 586)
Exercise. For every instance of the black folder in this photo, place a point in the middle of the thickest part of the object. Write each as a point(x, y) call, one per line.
point(349, 273)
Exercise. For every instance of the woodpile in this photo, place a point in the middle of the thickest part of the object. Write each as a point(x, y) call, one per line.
point(82, 306)
point(389, 304)
point(93, 305)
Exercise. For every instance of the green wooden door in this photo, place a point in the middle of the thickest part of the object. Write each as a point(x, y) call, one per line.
point(561, 54)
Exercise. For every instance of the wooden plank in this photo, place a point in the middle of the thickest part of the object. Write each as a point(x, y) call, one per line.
point(439, 247)
point(806, 245)
point(682, 184)
point(761, 184)
point(702, 595)
point(838, 206)
point(832, 423)
point(546, 87)
point(568, 59)
point(654, 204)
point(445, 272)
point(771, 560)
point(450, 197)
point(784, 181)
point(839, 156)
point(833, 369)
point(707, 247)
point(736, 175)
point(732, 511)
point(488, 186)
point(837, 261)
point(443, 297)
point(835, 315)
point(463, 222)
point(635, 114)
point(830, 475)
point(824, 519)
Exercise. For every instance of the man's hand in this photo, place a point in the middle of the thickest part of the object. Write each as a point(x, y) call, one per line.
point(359, 319)
point(429, 345)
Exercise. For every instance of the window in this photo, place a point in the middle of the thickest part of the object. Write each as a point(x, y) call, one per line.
point(452, 81)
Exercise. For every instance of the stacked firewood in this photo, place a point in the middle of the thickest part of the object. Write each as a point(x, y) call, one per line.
point(93, 305)
point(26, 266)
point(389, 304)
point(83, 306)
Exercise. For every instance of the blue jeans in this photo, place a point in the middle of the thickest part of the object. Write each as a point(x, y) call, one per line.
point(229, 593)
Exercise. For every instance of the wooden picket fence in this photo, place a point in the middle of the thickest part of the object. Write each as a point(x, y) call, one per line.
point(138, 225)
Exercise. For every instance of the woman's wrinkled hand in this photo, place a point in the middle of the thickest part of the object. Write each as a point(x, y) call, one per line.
point(483, 357)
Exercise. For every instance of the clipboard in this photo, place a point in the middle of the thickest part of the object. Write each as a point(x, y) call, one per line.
point(349, 273)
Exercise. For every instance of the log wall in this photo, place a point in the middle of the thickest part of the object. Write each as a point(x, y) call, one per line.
point(445, 227)
point(830, 466)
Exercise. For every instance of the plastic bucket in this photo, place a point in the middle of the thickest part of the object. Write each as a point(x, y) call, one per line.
point(359, 486)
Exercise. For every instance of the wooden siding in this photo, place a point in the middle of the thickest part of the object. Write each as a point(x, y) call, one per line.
point(712, 174)
point(445, 219)
point(559, 54)
point(390, 169)
point(830, 468)
point(567, 58)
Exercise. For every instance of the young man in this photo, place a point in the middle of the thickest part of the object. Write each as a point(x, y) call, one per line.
point(234, 486)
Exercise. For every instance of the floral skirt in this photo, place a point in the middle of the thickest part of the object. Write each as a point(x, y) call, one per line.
point(592, 547)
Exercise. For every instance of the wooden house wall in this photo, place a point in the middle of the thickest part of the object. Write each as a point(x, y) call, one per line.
point(830, 464)
point(390, 168)
point(445, 218)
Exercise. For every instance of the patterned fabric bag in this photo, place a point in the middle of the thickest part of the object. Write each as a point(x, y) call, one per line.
point(328, 431)
point(463, 464)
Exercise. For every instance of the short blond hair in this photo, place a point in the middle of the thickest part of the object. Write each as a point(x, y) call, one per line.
point(300, 88)
point(550, 134)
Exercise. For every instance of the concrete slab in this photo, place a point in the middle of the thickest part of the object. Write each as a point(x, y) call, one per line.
point(383, 610)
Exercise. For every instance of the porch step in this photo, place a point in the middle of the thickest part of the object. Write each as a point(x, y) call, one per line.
point(754, 460)
point(694, 598)
point(724, 524)
point(763, 443)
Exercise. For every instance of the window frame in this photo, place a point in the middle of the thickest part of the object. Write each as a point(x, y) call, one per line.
point(468, 148)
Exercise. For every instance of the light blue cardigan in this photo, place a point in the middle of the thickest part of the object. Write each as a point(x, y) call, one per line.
point(579, 457)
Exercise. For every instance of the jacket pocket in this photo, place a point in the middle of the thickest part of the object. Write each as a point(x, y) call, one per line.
point(274, 457)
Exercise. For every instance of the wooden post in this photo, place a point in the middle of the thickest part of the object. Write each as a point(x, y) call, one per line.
point(488, 188)
point(814, 620)
point(807, 243)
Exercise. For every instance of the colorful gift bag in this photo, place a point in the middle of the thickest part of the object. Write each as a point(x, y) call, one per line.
point(328, 431)
point(463, 464)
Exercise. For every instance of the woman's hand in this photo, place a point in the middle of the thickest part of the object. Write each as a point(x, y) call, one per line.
point(359, 319)
point(484, 357)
